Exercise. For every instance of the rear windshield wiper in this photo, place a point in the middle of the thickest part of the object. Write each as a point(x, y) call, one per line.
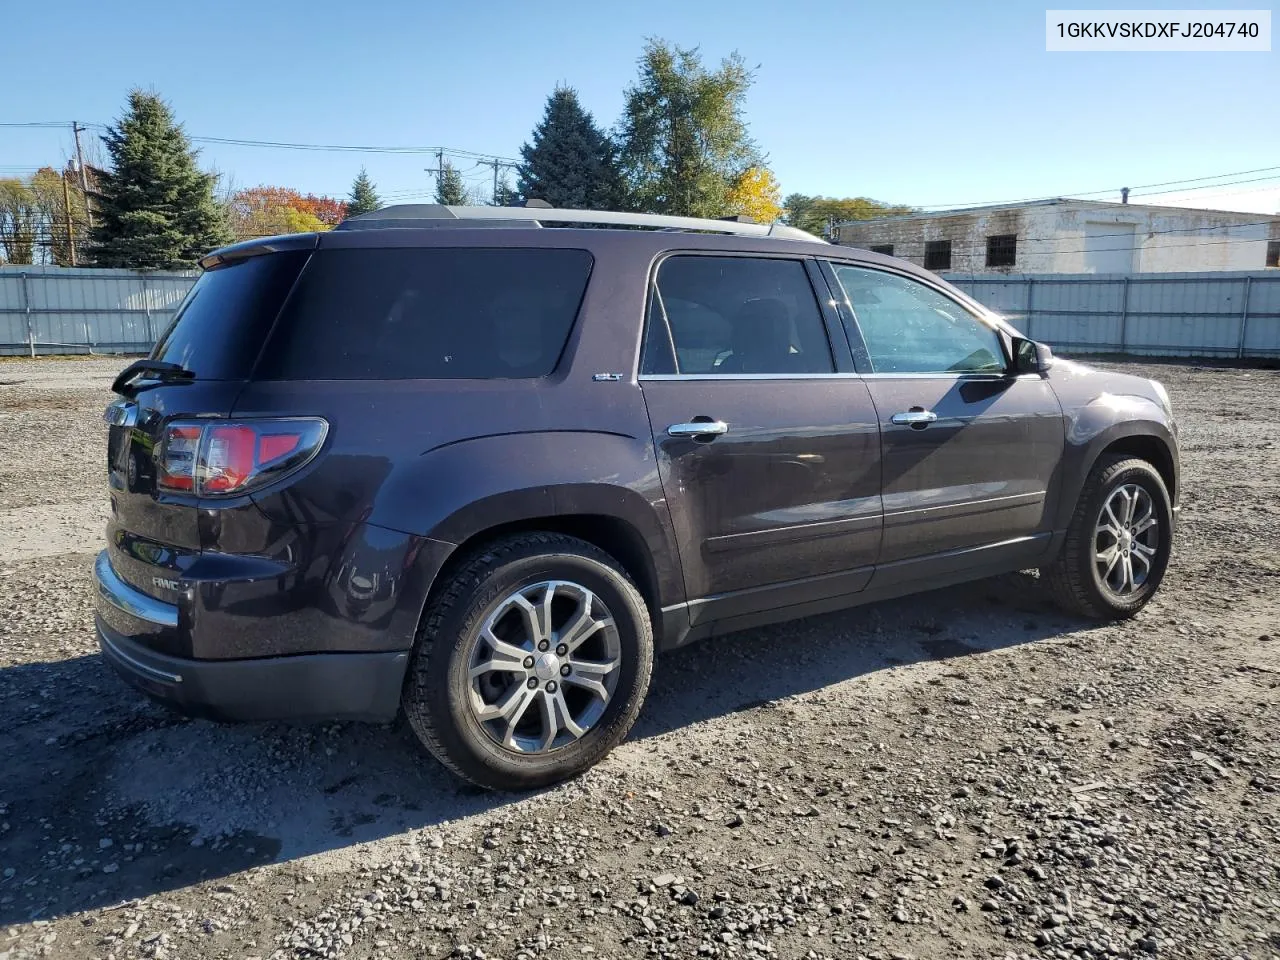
point(157, 372)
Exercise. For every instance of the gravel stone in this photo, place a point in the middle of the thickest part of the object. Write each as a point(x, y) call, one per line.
point(1097, 790)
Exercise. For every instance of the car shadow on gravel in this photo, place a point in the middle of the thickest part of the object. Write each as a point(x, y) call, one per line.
point(106, 797)
point(753, 668)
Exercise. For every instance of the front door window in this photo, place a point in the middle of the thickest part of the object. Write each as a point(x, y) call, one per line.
point(909, 327)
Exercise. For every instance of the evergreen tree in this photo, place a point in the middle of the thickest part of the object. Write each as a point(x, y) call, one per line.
point(683, 137)
point(451, 190)
point(364, 198)
point(570, 162)
point(506, 195)
point(156, 208)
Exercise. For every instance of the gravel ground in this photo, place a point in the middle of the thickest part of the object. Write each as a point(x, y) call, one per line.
point(963, 774)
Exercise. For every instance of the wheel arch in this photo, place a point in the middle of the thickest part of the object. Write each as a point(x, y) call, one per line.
point(1151, 448)
point(614, 535)
point(1148, 438)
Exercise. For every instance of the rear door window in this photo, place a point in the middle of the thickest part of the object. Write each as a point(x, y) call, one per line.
point(736, 315)
point(220, 325)
point(428, 313)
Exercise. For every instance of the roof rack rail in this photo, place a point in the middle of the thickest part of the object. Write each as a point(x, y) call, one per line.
point(438, 215)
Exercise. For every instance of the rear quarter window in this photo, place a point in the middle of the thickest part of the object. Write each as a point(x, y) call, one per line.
point(428, 313)
point(220, 325)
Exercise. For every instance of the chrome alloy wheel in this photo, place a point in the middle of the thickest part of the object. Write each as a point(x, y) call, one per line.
point(544, 666)
point(1126, 540)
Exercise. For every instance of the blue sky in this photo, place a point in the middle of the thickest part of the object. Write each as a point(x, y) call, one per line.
point(930, 104)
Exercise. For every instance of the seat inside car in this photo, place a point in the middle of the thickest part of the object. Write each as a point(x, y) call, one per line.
point(762, 339)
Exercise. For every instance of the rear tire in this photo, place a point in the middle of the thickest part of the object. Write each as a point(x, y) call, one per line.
point(1118, 542)
point(519, 642)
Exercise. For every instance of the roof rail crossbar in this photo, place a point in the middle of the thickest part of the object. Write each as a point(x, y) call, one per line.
point(437, 215)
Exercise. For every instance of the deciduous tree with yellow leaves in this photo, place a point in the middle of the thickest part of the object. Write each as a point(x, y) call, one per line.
point(755, 193)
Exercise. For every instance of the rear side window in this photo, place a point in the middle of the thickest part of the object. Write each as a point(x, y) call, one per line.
point(219, 327)
point(433, 313)
point(735, 315)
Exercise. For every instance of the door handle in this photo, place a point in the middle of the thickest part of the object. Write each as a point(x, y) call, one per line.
point(915, 417)
point(698, 428)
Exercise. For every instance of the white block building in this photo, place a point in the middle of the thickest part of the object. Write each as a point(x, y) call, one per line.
point(1073, 236)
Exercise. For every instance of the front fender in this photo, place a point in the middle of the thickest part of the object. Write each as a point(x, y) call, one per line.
point(1095, 426)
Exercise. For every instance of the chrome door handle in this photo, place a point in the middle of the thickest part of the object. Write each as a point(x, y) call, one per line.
point(704, 428)
point(915, 418)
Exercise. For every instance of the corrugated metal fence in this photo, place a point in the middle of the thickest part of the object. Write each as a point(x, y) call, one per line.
point(1230, 315)
point(49, 310)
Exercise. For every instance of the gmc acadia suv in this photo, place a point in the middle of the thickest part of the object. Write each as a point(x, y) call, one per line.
point(445, 462)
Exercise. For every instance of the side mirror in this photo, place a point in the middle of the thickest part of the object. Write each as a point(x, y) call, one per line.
point(1030, 357)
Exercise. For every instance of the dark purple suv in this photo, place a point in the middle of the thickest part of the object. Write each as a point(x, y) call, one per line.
point(449, 462)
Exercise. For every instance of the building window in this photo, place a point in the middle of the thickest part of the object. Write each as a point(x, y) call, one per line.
point(937, 255)
point(885, 248)
point(1273, 253)
point(1002, 250)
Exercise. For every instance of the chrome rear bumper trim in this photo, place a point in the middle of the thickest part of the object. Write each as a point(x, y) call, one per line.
point(113, 590)
point(133, 663)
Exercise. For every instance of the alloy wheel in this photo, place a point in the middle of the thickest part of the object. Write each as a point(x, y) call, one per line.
point(544, 667)
point(1126, 539)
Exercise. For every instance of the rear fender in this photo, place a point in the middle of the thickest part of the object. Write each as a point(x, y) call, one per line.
point(458, 492)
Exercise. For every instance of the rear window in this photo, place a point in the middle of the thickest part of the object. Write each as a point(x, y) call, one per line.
point(444, 313)
point(219, 327)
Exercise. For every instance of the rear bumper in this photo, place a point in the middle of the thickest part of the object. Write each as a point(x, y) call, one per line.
point(362, 686)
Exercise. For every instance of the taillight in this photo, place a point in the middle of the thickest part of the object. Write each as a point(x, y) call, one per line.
point(220, 458)
point(178, 465)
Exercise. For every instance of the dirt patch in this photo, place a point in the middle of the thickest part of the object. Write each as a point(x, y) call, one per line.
point(962, 774)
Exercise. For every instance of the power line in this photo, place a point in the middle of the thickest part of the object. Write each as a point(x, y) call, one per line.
point(1207, 186)
point(1124, 233)
point(1090, 193)
point(1231, 193)
point(488, 159)
point(979, 245)
point(348, 148)
point(483, 158)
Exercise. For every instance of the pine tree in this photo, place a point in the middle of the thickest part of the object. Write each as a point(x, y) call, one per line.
point(505, 195)
point(155, 208)
point(451, 190)
point(570, 162)
point(364, 198)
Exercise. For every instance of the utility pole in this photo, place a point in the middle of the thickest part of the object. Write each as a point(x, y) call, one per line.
point(495, 179)
point(438, 170)
point(84, 176)
point(66, 206)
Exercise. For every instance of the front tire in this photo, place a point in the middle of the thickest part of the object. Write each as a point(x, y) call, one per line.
point(1118, 542)
point(531, 663)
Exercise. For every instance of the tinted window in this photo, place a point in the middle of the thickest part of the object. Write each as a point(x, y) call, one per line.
point(911, 328)
point(656, 356)
point(219, 328)
point(414, 313)
point(740, 315)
